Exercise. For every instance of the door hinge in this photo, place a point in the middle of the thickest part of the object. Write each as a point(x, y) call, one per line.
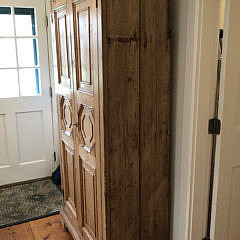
point(54, 156)
point(51, 91)
point(214, 126)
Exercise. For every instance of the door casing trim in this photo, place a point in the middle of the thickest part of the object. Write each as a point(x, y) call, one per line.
point(52, 84)
point(194, 81)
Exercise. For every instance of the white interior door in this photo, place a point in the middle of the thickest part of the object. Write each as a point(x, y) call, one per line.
point(26, 138)
point(226, 225)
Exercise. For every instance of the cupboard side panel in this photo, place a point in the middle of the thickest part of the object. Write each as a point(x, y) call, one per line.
point(121, 117)
point(155, 119)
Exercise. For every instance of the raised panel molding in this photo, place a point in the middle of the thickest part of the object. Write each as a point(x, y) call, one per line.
point(82, 16)
point(29, 125)
point(4, 154)
point(84, 42)
point(86, 128)
point(62, 42)
point(89, 200)
point(66, 116)
point(69, 173)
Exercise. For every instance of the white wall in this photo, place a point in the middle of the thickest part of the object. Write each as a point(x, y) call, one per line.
point(222, 13)
point(179, 33)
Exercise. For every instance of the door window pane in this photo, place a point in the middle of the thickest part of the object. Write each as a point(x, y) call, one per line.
point(9, 83)
point(18, 73)
point(29, 82)
point(27, 52)
point(6, 22)
point(7, 53)
point(25, 21)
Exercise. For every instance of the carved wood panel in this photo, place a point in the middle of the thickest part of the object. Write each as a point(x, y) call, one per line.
point(84, 40)
point(86, 146)
point(86, 128)
point(68, 165)
point(66, 116)
point(63, 53)
point(69, 178)
point(89, 201)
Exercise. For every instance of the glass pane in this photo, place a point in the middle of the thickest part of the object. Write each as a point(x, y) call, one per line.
point(63, 46)
point(27, 52)
point(6, 22)
point(9, 83)
point(25, 21)
point(7, 53)
point(29, 82)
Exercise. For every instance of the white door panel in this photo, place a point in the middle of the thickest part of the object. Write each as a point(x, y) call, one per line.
point(26, 137)
point(228, 189)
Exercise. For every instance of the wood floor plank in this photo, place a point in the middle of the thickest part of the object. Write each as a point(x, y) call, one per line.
point(17, 232)
point(49, 229)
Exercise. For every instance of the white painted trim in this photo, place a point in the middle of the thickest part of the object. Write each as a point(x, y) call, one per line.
point(195, 34)
point(219, 144)
point(52, 79)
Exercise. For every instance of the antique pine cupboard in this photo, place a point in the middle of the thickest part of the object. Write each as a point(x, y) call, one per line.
point(112, 62)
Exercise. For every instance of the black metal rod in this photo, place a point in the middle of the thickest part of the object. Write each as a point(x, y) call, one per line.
point(214, 141)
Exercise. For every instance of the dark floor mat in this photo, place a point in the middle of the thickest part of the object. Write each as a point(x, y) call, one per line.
point(29, 201)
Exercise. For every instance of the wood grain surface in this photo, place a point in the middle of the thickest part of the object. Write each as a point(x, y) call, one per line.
point(49, 228)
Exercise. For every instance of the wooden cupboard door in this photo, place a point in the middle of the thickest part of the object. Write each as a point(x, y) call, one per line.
point(87, 115)
point(64, 88)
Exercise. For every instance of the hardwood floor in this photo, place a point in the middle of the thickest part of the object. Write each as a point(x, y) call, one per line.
point(49, 228)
